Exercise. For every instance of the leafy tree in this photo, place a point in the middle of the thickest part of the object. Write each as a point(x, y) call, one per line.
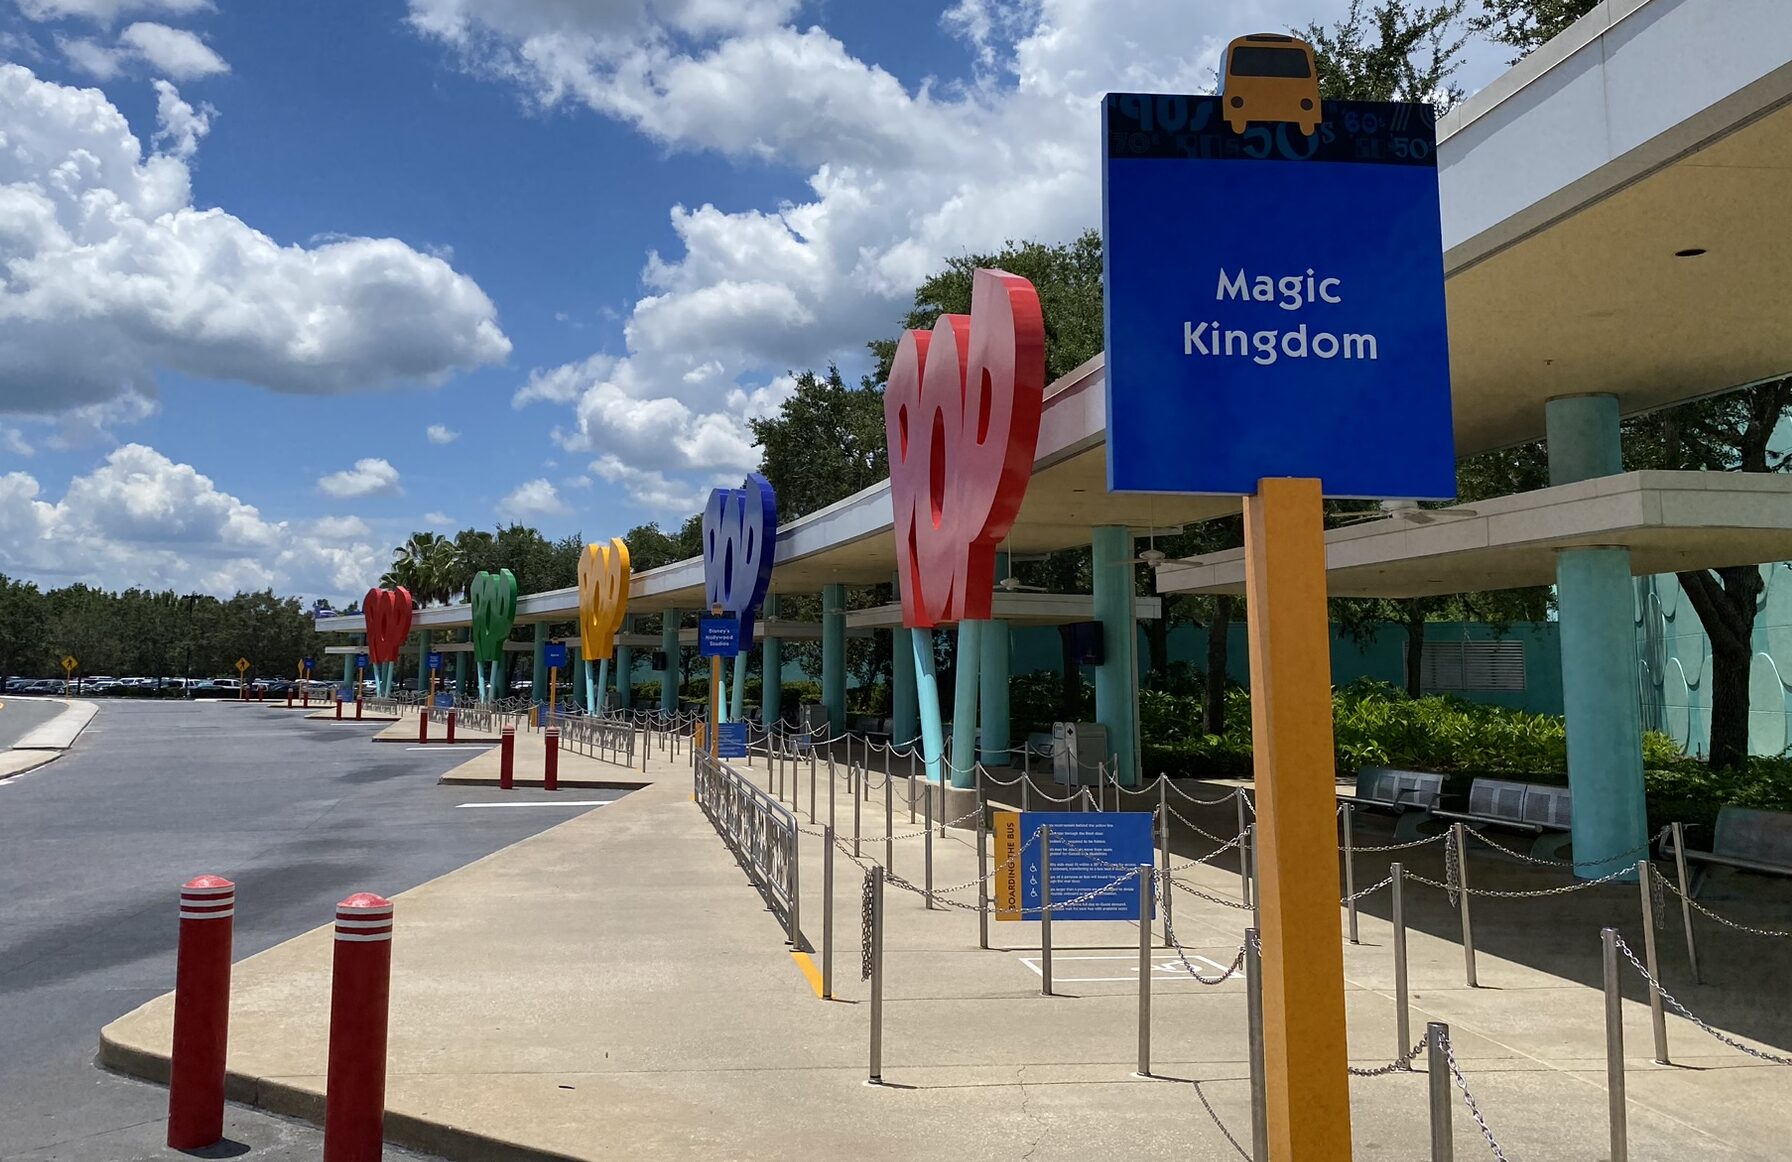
point(1391, 51)
point(429, 566)
point(1527, 24)
point(22, 638)
point(1727, 433)
point(825, 443)
point(650, 546)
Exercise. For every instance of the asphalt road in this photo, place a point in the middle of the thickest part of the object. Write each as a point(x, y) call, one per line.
point(94, 847)
point(18, 715)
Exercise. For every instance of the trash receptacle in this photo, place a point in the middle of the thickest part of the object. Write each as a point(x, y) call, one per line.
point(1078, 751)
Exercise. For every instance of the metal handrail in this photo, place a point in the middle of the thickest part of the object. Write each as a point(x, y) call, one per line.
point(599, 737)
point(762, 833)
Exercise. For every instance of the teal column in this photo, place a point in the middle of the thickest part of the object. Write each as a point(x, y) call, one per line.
point(1117, 678)
point(1595, 597)
point(348, 668)
point(964, 704)
point(927, 698)
point(577, 677)
point(460, 668)
point(669, 676)
point(833, 654)
point(771, 663)
point(737, 695)
point(625, 669)
point(992, 659)
point(538, 688)
point(597, 692)
point(905, 723)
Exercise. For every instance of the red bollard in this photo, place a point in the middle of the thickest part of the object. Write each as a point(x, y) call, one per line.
point(450, 724)
point(306, 692)
point(357, 706)
point(289, 699)
point(423, 725)
point(338, 709)
point(360, 992)
point(201, 1013)
point(550, 771)
point(506, 757)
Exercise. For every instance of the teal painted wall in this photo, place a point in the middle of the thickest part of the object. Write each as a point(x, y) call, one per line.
point(1383, 658)
point(1675, 659)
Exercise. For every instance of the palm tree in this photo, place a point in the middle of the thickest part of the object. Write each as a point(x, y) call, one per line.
point(429, 565)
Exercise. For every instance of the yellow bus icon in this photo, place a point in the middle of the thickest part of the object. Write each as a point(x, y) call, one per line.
point(1270, 77)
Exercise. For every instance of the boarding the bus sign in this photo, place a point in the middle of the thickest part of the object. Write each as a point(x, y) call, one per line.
point(1091, 856)
point(1274, 288)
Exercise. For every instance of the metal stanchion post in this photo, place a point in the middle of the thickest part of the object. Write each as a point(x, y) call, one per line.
point(1256, 880)
point(830, 796)
point(1253, 989)
point(982, 879)
point(858, 806)
point(889, 818)
point(827, 914)
point(792, 767)
point(1468, 932)
point(877, 976)
point(1350, 877)
point(1144, 970)
point(912, 780)
point(1692, 950)
point(1045, 910)
point(1026, 792)
point(927, 854)
point(1244, 851)
point(1438, 1066)
point(1614, 1047)
point(1402, 1010)
point(1657, 1016)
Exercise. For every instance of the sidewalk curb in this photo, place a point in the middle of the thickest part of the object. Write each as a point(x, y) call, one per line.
point(44, 744)
point(450, 780)
point(288, 1100)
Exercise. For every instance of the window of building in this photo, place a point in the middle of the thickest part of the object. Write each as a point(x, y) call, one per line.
point(1462, 667)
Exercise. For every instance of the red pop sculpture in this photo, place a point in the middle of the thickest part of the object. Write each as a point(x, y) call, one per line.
point(961, 412)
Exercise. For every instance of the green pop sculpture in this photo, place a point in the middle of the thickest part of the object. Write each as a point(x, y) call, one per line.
point(494, 612)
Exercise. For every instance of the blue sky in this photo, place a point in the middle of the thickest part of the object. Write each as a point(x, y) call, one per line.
point(253, 251)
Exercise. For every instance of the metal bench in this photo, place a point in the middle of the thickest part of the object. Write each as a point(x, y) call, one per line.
point(1543, 811)
point(1748, 838)
point(1411, 795)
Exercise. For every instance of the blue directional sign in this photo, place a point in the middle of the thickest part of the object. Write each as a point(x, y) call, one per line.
point(731, 740)
point(718, 637)
point(361, 661)
point(308, 662)
point(435, 660)
point(1275, 300)
point(445, 700)
point(1089, 849)
point(554, 654)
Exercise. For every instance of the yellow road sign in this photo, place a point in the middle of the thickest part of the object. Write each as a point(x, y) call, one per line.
point(242, 665)
point(69, 663)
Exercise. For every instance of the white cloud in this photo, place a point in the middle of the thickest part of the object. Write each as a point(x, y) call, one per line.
point(181, 125)
point(175, 52)
point(106, 12)
point(438, 520)
point(900, 177)
point(534, 498)
point(111, 274)
point(14, 441)
point(441, 434)
point(142, 519)
point(370, 477)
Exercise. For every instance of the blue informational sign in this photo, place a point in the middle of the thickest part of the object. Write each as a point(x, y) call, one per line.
point(307, 663)
point(445, 700)
point(1089, 849)
point(718, 637)
point(1275, 301)
point(435, 660)
point(361, 661)
point(554, 654)
point(731, 740)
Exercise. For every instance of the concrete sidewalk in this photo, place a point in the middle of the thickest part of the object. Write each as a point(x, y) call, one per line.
point(616, 988)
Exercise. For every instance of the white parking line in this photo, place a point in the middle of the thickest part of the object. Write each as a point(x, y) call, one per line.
point(1168, 966)
point(565, 803)
point(456, 746)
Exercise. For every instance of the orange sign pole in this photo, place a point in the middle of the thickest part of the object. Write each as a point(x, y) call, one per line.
point(715, 697)
point(553, 689)
point(1304, 1052)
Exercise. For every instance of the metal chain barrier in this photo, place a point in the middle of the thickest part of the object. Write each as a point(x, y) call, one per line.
point(1212, 899)
point(1527, 858)
point(1242, 1152)
point(1468, 1099)
point(1562, 890)
point(1759, 1054)
point(1671, 886)
point(1397, 1065)
point(1236, 967)
point(1452, 876)
point(1360, 849)
point(1368, 891)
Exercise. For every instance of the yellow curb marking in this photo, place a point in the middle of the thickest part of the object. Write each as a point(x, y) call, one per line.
point(807, 965)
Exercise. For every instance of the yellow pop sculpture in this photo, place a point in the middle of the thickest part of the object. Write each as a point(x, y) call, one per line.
point(603, 601)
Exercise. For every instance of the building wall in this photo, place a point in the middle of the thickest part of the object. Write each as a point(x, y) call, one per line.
point(1674, 656)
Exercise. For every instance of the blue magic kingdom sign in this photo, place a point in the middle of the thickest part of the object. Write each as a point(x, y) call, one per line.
point(1275, 300)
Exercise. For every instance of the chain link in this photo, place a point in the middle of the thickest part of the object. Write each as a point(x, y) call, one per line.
point(1369, 891)
point(1442, 836)
point(1468, 1099)
point(1640, 849)
point(865, 922)
point(1561, 890)
point(1210, 898)
point(1398, 1064)
point(1724, 920)
point(1452, 876)
point(1236, 967)
point(1759, 1054)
